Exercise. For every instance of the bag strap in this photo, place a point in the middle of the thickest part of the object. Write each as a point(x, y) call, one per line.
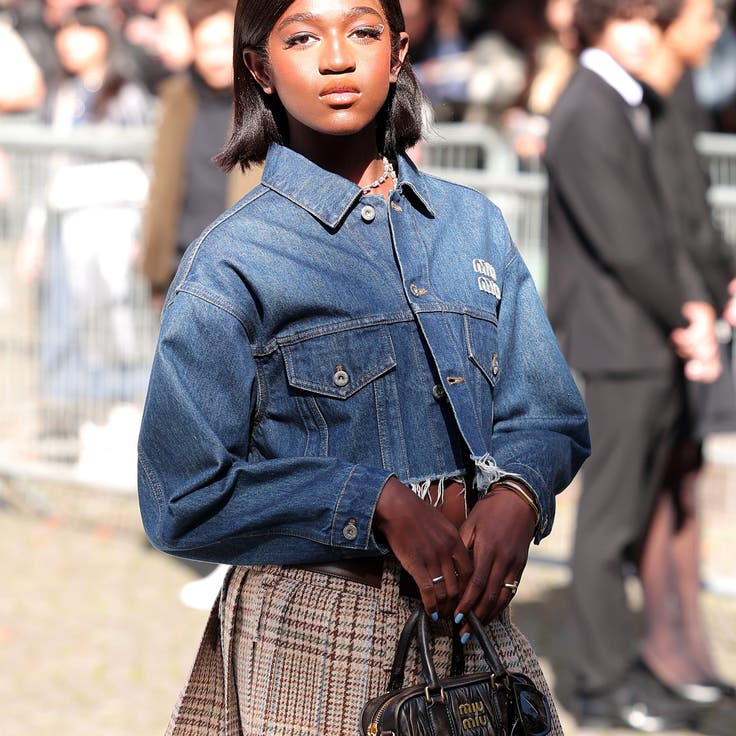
point(396, 681)
point(489, 650)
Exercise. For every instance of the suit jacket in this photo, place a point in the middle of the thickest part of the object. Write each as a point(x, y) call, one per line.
point(617, 280)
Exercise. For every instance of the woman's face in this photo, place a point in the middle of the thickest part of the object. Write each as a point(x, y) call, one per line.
point(329, 61)
point(81, 47)
point(212, 42)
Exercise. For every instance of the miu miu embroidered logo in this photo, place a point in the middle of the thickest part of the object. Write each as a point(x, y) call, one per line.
point(486, 277)
point(472, 715)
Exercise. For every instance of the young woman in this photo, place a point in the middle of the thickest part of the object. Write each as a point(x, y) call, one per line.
point(356, 399)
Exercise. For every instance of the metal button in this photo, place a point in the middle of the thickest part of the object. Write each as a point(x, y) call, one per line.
point(417, 290)
point(494, 364)
point(438, 392)
point(341, 378)
point(368, 213)
point(350, 532)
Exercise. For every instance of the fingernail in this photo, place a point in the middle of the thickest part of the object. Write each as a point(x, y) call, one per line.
point(435, 616)
point(464, 638)
point(459, 618)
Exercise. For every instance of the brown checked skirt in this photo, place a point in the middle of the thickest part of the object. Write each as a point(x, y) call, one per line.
point(292, 652)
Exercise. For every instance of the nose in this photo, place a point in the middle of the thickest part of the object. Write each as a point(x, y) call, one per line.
point(337, 56)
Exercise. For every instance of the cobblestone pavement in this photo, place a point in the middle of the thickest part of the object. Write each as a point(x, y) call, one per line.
point(93, 639)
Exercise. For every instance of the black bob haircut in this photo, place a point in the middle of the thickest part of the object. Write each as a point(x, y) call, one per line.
point(260, 119)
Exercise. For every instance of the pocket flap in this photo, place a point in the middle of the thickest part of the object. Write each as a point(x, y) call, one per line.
point(340, 363)
point(482, 343)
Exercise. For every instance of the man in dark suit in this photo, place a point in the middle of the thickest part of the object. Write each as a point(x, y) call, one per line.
point(630, 311)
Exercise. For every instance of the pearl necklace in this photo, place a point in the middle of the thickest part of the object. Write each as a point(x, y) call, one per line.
point(388, 170)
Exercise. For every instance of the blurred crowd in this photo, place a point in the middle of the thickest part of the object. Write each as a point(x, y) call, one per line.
point(502, 62)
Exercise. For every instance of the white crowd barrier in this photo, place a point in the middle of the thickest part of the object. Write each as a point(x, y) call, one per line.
point(77, 328)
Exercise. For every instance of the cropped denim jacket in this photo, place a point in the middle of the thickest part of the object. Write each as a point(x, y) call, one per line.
point(317, 341)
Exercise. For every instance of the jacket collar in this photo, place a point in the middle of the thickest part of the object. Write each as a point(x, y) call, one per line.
point(608, 69)
point(327, 196)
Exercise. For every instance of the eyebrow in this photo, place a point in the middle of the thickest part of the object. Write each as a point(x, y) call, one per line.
point(313, 17)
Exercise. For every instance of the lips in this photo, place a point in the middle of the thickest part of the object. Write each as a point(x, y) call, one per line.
point(339, 94)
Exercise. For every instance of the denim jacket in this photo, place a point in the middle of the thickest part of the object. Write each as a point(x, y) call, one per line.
point(317, 341)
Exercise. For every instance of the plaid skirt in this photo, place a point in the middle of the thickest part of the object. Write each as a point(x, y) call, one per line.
point(292, 652)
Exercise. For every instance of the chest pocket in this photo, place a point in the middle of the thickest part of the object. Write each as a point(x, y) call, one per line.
point(481, 338)
point(339, 364)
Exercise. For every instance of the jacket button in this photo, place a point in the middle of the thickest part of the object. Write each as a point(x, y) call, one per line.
point(341, 378)
point(368, 213)
point(438, 392)
point(417, 290)
point(350, 532)
point(494, 364)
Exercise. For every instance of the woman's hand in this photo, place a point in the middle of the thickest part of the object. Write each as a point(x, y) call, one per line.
point(426, 544)
point(498, 530)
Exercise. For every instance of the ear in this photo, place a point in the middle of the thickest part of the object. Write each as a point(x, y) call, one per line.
point(258, 67)
point(402, 52)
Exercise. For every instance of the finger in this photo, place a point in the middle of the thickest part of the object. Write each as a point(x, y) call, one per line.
point(498, 595)
point(450, 583)
point(441, 581)
point(474, 590)
point(428, 593)
point(463, 562)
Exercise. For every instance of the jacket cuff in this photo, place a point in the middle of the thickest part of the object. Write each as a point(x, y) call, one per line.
point(352, 524)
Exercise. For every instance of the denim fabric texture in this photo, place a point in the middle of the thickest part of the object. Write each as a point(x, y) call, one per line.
point(316, 341)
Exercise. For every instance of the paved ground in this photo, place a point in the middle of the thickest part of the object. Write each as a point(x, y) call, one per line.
point(93, 640)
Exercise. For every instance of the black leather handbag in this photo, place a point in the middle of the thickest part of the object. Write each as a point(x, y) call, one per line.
point(492, 703)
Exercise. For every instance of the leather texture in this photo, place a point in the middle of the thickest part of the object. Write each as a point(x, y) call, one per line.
point(479, 704)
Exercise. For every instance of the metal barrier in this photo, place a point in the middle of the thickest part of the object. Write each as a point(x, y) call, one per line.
point(522, 199)
point(77, 329)
point(76, 326)
point(718, 151)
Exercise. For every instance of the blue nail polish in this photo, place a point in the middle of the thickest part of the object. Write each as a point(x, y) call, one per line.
point(464, 638)
point(459, 618)
point(435, 616)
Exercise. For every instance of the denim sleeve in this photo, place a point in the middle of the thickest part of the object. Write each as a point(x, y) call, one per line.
point(200, 496)
point(540, 429)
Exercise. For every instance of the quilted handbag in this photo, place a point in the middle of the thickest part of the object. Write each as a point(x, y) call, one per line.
point(496, 702)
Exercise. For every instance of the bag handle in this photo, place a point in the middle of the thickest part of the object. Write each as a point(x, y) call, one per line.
point(396, 681)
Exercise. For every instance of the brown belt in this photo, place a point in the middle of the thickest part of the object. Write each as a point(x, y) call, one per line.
point(365, 571)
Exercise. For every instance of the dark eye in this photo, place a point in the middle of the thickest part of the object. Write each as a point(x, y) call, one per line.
point(367, 32)
point(298, 39)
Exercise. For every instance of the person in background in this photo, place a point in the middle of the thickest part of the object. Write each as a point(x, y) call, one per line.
point(715, 81)
point(188, 189)
point(675, 645)
point(158, 40)
point(23, 90)
point(85, 279)
point(631, 317)
point(554, 59)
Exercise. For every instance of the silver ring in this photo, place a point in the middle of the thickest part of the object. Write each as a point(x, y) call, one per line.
point(438, 579)
point(512, 586)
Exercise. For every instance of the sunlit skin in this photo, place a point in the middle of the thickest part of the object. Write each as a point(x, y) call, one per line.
point(330, 63)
